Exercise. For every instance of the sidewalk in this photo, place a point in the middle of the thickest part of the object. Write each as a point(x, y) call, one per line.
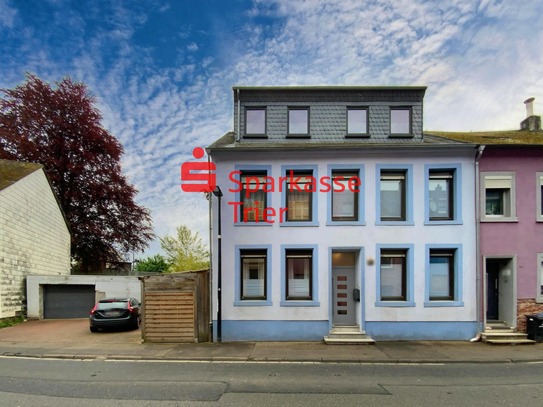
point(70, 339)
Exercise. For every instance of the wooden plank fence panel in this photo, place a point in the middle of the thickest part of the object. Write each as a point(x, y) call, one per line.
point(170, 316)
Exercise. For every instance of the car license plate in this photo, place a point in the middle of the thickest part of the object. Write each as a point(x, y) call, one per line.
point(112, 314)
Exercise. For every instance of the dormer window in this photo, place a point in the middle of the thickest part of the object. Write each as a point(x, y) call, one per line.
point(298, 122)
point(357, 122)
point(400, 121)
point(255, 122)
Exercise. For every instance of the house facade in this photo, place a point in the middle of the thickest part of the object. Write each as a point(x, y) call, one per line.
point(34, 236)
point(510, 193)
point(338, 215)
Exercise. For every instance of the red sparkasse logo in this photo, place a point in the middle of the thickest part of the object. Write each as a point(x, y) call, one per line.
point(201, 177)
point(198, 176)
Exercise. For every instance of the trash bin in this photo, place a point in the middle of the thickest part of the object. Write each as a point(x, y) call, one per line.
point(534, 327)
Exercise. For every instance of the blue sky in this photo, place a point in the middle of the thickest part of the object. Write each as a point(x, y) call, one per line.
point(163, 70)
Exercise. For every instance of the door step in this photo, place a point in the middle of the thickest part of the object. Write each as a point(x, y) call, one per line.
point(348, 335)
point(499, 333)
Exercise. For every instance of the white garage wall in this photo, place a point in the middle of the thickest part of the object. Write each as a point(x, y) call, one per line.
point(105, 286)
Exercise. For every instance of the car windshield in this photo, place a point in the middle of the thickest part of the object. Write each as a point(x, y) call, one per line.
point(111, 305)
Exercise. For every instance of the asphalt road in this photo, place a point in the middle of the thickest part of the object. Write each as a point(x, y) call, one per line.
point(42, 382)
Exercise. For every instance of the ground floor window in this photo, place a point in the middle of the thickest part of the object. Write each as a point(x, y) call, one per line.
point(299, 274)
point(253, 274)
point(441, 275)
point(393, 273)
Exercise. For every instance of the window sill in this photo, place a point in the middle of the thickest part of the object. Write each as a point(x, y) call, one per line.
point(259, 223)
point(394, 303)
point(354, 135)
point(255, 136)
point(301, 303)
point(498, 219)
point(430, 304)
point(442, 222)
point(406, 135)
point(299, 224)
point(345, 223)
point(394, 223)
point(298, 135)
point(252, 303)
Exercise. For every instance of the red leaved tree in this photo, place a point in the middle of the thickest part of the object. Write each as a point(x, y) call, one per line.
point(61, 129)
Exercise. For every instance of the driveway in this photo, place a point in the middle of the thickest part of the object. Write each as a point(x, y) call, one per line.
point(67, 332)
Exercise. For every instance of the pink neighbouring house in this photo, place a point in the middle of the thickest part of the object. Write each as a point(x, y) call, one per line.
point(510, 218)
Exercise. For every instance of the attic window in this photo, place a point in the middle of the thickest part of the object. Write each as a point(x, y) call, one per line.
point(400, 121)
point(255, 122)
point(298, 122)
point(357, 121)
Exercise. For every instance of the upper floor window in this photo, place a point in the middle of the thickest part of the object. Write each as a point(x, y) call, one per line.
point(357, 121)
point(498, 196)
point(393, 195)
point(346, 188)
point(253, 196)
point(298, 121)
point(299, 196)
point(255, 121)
point(539, 196)
point(440, 194)
point(400, 121)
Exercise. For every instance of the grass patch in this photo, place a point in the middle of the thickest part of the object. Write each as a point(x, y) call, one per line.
point(4, 323)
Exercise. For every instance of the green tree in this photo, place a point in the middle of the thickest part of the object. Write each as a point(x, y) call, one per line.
point(154, 264)
point(186, 251)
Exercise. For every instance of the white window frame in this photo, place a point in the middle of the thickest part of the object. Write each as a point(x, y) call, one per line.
point(539, 196)
point(506, 179)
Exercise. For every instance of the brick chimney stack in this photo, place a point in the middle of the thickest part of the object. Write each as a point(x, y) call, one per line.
point(532, 122)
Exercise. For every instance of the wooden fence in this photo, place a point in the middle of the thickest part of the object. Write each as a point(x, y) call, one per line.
point(176, 307)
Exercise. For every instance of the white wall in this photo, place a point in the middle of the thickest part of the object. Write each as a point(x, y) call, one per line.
point(105, 286)
point(367, 236)
point(34, 238)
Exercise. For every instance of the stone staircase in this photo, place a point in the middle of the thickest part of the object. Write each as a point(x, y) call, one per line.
point(499, 333)
point(348, 335)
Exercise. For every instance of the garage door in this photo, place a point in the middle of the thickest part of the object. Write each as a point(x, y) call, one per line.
point(67, 301)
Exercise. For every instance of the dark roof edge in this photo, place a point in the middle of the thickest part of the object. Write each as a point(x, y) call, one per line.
point(324, 87)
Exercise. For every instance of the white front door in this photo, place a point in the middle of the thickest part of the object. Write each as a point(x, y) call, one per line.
point(342, 296)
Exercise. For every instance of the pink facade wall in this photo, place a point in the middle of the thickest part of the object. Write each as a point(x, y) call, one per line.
point(525, 237)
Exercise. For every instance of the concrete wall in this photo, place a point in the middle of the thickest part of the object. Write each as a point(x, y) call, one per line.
point(105, 286)
point(34, 238)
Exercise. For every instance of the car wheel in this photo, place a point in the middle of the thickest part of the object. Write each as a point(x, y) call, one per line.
point(93, 329)
point(136, 323)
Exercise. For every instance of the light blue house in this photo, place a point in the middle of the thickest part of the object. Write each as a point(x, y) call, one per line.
point(341, 220)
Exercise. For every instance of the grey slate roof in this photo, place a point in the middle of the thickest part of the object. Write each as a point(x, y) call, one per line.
point(228, 143)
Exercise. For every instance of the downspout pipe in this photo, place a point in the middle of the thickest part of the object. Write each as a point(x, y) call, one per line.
point(238, 116)
point(478, 269)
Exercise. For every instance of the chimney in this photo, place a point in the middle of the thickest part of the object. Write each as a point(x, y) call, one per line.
point(532, 122)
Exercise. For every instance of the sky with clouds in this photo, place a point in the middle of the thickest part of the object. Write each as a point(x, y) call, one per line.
point(163, 71)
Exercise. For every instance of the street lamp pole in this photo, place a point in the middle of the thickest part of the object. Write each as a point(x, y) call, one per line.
point(218, 193)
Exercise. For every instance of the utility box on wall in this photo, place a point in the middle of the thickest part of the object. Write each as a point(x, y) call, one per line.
point(175, 307)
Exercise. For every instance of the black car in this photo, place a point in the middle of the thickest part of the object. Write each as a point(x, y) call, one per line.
point(115, 313)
